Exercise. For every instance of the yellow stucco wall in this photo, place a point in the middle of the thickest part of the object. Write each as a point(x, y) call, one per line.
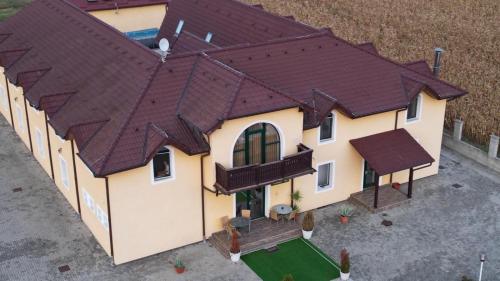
point(96, 189)
point(4, 97)
point(289, 125)
point(133, 19)
point(148, 217)
point(40, 146)
point(19, 113)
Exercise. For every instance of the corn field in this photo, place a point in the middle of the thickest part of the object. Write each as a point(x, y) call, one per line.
point(409, 30)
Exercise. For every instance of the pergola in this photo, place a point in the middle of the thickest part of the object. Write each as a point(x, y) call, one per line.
point(391, 152)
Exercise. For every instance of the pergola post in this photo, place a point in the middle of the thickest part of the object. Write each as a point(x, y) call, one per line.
point(375, 199)
point(410, 183)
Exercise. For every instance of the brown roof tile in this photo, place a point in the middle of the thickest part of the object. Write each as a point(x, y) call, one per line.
point(391, 151)
point(97, 5)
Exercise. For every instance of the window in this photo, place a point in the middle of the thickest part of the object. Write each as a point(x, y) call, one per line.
point(414, 109)
point(64, 172)
point(3, 98)
point(327, 129)
point(39, 142)
point(163, 165)
point(101, 217)
point(325, 176)
point(20, 120)
point(88, 201)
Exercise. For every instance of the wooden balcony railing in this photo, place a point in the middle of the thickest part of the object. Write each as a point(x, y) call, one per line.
point(252, 176)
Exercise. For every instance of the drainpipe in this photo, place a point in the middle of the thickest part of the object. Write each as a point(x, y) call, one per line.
point(48, 145)
point(28, 124)
point(109, 219)
point(203, 187)
point(8, 97)
point(437, 61)
point(395, 128)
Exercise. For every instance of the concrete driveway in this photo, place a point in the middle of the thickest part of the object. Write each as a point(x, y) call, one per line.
point(438, 236)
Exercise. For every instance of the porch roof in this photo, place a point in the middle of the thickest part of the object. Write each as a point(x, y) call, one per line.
point(391, 151)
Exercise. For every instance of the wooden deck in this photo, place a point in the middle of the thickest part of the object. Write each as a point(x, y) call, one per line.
point(388, 197)
point(263, 234)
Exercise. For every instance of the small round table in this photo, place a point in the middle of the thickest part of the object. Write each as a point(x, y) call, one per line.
point(239, 222)
point(283, 209)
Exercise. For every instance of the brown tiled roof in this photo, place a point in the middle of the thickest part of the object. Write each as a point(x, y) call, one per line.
point(188, 42)
point(361, 81)
point(121, 104)
point(420, 66)
point(230, 21)
point(391, 151)
point(97, 5)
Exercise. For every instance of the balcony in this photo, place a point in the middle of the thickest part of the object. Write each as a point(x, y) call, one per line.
point(233, 180)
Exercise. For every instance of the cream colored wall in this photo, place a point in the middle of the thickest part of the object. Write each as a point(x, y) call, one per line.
point(133, 19)
point(37, 122)
point(96, 188)
point(150, 218)
point(222, 141)
point(4, 100)
point(62, 148)
point(428, 131)
point(17, 101)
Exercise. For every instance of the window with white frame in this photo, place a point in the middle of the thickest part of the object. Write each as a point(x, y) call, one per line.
point(101, 217)
point(414, 109)
point(39, 142)
point(326, 174)
point(163, 164)
point(327, 128)
point(20, 119)
point(4, 100)
point(64, 172)
point(95, 209)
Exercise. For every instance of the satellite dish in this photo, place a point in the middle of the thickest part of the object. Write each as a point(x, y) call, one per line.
point(164, 45)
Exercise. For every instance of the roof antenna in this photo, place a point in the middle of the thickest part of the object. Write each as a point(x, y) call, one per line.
point(437, 61)
point(164, 48)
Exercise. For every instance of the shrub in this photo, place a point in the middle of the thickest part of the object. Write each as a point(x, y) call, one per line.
point(235, 245)
point(345, 263)
point(288, 277)
point(308, 222)
point(346, 212)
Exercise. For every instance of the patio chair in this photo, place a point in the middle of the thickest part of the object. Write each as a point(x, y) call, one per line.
point(248, 215)
point(274, 216)
point(291, 217)
point(228, 227)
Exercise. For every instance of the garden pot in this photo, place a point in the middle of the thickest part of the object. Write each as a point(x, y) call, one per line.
point(344, 220)
point(235, 257)
point(396, 185)
point(180, 270)
point(344, 276)
point(307, 234)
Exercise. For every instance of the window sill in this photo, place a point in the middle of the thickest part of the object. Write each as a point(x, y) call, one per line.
point(323, 189)
point(162, 180)
point(413, 120)
point(326, 141)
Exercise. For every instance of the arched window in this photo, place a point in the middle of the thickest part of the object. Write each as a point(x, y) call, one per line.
point(258, 144)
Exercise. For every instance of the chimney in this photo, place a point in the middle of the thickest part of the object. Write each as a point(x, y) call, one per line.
point(437, 61)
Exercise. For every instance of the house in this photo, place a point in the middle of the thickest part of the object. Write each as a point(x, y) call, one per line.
point(247, 108)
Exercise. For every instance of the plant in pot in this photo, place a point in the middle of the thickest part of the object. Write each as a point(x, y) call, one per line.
point(288, 277)
point(396, 185)
point(296, 196)
point(345, 213)
point(179, 266)
point(235, 251)
point(308, 225)
point(345, 265)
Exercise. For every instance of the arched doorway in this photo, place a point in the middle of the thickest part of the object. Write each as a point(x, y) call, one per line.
point(258, 144)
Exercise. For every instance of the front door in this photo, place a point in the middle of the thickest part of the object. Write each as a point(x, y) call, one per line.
point(253, 200)
point(369, 176)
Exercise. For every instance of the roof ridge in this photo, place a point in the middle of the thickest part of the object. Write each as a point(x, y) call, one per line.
point(186, 86)
point(415, 62)
point(230, 105)
point(109, 27)
point(84, 145)
point(129, 117)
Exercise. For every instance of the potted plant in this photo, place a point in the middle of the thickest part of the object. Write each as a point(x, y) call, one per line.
point(345, 213)
point(179, 266)
point(296, 196)
point(396, 185)
point(288, 277)
point(308, 225)
point(345, 265)
point(235, 251)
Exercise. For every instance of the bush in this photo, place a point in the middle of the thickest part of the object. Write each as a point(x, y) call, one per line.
point(345, 263)
point(288, 277)
point(308, 222)
point(235, 245)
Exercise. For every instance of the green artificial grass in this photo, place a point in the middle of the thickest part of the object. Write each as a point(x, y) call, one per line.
point(297, 257)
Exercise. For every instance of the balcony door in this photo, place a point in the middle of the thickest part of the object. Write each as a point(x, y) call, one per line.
point(258, 144)
point(369, 176)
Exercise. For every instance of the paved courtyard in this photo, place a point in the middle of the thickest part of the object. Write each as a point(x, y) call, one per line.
point(437, 236)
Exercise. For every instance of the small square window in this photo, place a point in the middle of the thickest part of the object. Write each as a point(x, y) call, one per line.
point(327, 128)
point(325, 176)
point(162, 165)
